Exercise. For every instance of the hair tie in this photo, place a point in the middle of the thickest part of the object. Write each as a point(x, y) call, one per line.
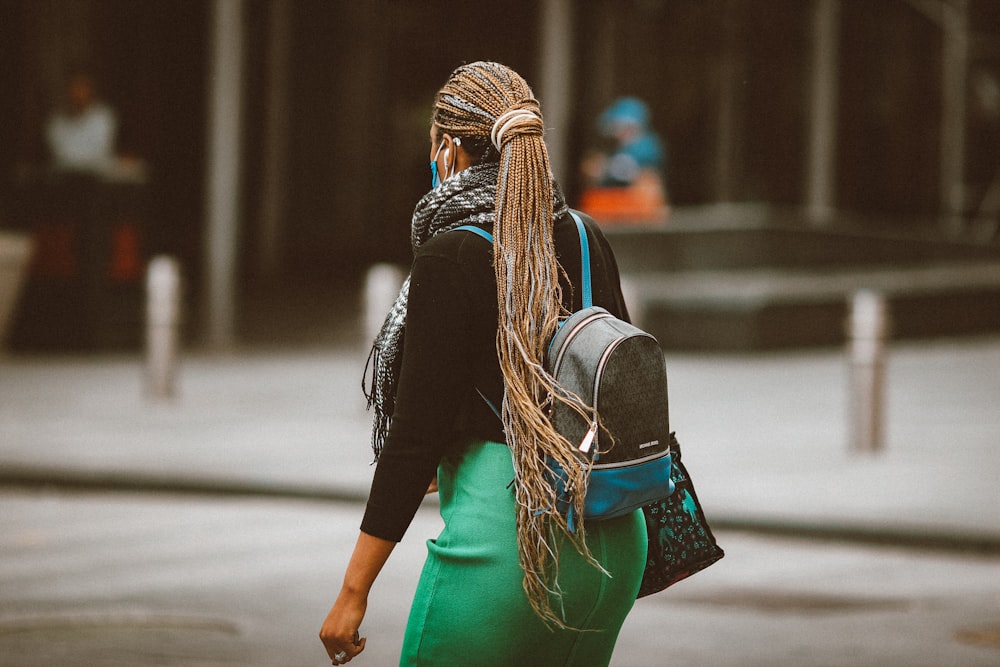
point(507, 119)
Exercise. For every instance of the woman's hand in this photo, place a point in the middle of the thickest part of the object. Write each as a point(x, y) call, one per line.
point(433, 486)
point(340, 633)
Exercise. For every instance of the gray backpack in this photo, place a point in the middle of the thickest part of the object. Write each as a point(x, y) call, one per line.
point(619, 370)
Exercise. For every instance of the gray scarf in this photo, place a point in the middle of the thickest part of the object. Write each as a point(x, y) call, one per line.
point(469, 197)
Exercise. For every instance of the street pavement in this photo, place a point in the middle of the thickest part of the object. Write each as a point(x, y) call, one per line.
point(765, 436)
point(212, 528)
point(127, 579)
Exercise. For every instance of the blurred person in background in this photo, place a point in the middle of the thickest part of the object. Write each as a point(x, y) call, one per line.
point(456, 387)
point(81, 135)
point(625, 182)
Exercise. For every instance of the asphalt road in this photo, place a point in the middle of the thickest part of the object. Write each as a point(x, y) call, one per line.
point(145, 579)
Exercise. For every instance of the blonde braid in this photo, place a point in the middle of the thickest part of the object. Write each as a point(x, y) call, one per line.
point(489, 99)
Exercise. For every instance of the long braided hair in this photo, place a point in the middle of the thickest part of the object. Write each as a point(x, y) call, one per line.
point(488, 100)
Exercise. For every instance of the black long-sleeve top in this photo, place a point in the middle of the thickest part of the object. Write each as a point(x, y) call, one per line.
point(449, 351)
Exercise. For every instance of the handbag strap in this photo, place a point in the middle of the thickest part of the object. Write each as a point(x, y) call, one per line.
point(585, 285)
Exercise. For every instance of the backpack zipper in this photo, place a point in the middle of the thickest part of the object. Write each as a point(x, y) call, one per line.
point(599, 373)
point(571, 335)
point(630, 462)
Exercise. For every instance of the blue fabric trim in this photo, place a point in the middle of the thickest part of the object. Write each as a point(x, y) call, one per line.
point(588, 296)
point(616, 491)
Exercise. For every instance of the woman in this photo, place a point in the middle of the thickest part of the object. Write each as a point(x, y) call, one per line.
point(477, 321)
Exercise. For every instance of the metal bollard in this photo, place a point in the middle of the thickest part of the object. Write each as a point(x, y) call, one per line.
point(382, 285)
point(163, 318)
point(867, 328)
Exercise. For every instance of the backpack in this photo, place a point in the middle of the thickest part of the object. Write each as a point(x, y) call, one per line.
point(618, 369)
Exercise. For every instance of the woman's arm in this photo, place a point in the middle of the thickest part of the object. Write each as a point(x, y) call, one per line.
point(340, 631)
point(435, 376)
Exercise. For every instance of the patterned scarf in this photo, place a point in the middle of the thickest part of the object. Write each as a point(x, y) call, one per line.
point(469, 197)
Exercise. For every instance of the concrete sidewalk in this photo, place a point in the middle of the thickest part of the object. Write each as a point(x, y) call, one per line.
point(764, 435)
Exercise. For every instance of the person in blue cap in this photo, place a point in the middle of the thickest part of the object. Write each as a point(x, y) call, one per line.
point(637, 148)
point(626, 181)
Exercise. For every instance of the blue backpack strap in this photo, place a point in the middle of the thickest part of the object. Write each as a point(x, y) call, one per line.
point(477, 230)
point(588, 296)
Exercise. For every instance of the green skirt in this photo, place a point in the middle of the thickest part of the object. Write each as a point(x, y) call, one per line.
point(470, 607)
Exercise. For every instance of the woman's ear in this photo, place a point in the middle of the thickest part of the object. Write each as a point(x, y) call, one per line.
point(462, 159)
point(445, 144)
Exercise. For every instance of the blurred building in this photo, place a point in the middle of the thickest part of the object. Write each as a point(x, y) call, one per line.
point(884, 111)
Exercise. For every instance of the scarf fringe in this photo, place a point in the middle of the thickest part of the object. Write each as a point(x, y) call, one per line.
point(468, 197)
point(380, 418)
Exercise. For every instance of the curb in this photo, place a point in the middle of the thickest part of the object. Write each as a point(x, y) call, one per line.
point(916, 539)
point(41, 478)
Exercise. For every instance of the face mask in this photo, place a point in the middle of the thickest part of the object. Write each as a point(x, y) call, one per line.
point(435, 179)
